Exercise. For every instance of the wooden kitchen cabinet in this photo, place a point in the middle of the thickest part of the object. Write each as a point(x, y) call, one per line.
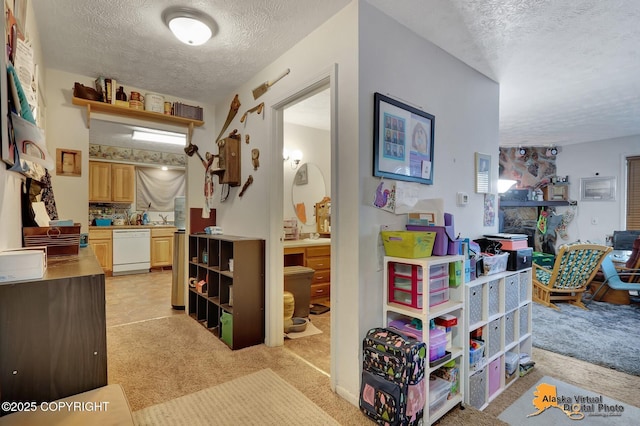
point(162, 246)
point(111, 182)
point(101, 242)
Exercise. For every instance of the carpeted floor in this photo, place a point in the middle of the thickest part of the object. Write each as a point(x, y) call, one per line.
point(260, 398)
point(606, 334)
point(166, 357)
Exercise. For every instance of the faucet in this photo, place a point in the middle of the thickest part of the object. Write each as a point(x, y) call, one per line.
point(164, 219)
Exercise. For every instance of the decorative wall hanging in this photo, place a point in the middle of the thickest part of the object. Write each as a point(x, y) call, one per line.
point(255, 158)
point(257, 109)
point(483, 173)
point(598, 189)
point(68, 162)
point(489, 210)
point(403, 139)
point(262, 89)
point(529, 169)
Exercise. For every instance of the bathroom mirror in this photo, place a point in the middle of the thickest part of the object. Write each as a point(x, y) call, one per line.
point(307, 189)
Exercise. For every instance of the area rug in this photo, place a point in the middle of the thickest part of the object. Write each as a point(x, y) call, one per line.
point(607, 335)
point(260, 398)
point(309, 331)
point(551, 402)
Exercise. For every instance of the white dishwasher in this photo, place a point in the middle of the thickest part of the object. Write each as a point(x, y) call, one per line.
point(131, 251)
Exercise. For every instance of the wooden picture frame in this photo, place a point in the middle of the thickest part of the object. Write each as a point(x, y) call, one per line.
point(68, 162)
point(403, 140)
point(598, 189)
point(483, 173)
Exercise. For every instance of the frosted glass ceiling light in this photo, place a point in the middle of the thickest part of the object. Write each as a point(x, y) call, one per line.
point(189, 26)
point(160, 137)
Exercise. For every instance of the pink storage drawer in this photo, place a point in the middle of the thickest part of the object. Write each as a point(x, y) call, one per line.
point(494, 376)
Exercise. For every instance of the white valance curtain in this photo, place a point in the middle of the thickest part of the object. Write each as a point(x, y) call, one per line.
point(158, 188)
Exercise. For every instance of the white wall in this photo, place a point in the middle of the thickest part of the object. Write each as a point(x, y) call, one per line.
point(585, 160)
point(397, 63)
point(315, 144)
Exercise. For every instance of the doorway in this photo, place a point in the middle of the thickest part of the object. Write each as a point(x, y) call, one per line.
point(307, 221)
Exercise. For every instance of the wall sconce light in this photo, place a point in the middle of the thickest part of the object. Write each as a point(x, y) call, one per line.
point(285, 154)
point(190, 26)
point(296, 157)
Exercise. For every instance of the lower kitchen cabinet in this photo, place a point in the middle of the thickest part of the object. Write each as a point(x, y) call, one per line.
point(162, 247)
point(101, 242)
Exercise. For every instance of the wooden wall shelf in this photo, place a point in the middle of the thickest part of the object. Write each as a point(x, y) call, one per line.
point(133, 113)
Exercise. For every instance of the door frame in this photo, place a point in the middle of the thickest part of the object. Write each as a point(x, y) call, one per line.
point(275, 309)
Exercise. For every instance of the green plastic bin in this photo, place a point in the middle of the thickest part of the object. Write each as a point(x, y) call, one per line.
point(226, 320)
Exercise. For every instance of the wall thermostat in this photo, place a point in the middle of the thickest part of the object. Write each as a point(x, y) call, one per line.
point(462, 198)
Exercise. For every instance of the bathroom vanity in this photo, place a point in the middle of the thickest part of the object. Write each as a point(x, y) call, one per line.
point(314, 254)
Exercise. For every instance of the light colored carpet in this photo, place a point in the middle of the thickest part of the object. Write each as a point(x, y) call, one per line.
point(261, 398)
point(309, 331)
point(559, 403)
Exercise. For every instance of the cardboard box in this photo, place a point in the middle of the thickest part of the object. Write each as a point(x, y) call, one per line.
point(23, 264)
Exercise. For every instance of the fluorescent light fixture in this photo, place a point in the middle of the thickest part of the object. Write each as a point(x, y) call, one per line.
point(164, 168)
point(505, 184)
point(190, 26)
point(159, 137)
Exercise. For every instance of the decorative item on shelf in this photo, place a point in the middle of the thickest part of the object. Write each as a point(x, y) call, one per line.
point(85, 92)
point(120, 95)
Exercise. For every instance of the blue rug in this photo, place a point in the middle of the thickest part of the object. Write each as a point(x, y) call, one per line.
point(558, 403)
point(607, 335)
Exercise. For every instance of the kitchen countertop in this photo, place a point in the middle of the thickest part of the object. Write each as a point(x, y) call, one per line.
point(132, 227)
point(307, 242)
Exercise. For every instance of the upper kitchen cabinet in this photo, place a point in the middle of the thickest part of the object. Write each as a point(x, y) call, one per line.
point(111, 182)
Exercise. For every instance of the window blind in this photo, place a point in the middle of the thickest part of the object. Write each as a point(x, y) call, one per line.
point(633, 193)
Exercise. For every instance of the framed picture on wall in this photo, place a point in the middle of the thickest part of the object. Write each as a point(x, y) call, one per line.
point(483, 173)
point(598, 189)
point(402, 141)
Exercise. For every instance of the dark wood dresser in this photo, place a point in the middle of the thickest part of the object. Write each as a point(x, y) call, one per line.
point(53, 338)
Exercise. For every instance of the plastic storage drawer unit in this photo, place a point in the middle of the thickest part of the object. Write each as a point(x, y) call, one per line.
point(438, 392)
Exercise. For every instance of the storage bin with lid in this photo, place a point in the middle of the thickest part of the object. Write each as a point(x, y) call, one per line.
point(437, 344)
point(438, 392)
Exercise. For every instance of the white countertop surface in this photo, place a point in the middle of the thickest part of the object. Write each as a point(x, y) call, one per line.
point(307, 242)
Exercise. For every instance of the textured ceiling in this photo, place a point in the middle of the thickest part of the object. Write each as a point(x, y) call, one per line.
point(568, 71)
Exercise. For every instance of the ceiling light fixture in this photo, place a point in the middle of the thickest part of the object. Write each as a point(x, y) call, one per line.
point(160, 137)
point(190, 26)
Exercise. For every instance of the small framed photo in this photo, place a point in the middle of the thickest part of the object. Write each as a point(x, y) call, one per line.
point(402, 141)
point(483, 173)
point(598, 189)
point(68, 162)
